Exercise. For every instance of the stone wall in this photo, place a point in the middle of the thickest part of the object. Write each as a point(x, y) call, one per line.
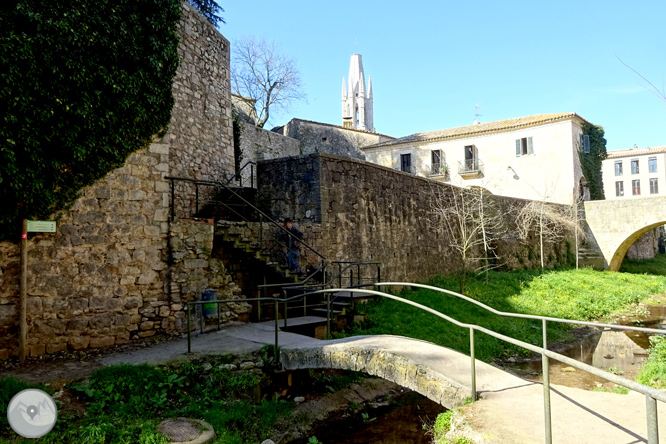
point(361, 211)
point(260, 144)
point(645, 246)
point(315, 137)
point(104, 277)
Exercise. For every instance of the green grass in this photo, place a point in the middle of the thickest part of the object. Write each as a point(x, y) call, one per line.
point(656, 266)
point(572, 294)
point(124, 404)
point(653, 372)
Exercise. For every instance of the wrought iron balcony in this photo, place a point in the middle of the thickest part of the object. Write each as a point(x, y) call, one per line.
point(470, 168)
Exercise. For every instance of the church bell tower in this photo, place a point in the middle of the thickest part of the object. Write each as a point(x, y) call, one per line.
point(356, 100)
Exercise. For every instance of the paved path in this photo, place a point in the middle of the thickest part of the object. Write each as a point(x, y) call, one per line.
point(510, 409)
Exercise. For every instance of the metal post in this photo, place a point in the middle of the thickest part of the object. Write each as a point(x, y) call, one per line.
point(379, 277)
point(339, 275)
point(285, 313)
point(251, 176)
point(196, 194)
point(358, 274)
point(305, 305)
point(173, 198)
point(351, 277)
point(23, 320)
point(189, 328)
point(473, 370)
point(328, 314)
point(546, 386)
point(276, 350)
point(652, 420)
point(218, 315)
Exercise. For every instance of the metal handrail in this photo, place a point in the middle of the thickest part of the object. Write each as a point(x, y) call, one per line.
point(220, 184)
point(652, 395)
point(252, 164)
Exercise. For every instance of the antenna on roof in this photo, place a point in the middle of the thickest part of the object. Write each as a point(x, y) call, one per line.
point(476, 114)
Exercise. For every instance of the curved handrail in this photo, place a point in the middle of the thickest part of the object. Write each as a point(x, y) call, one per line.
point(617, 379)
point(249, 162)
point(517, 315)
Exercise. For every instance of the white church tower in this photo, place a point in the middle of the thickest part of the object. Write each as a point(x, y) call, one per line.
point(356, 100)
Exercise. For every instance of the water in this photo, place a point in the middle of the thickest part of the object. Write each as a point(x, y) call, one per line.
point(622, 352)
point(400, 422)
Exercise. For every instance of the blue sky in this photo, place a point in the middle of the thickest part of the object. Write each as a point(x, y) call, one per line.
point(432, 62)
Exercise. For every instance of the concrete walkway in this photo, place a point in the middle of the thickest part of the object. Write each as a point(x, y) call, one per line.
point(510, 409)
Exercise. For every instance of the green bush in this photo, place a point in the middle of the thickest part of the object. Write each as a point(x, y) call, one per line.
point(83, 84)
point(653, 372)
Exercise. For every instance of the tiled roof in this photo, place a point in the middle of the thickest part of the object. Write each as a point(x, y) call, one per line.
point(481, 128)
point(636, 152)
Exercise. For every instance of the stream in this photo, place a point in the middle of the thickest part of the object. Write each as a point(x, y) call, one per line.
point(399, 422)
point(623, 352)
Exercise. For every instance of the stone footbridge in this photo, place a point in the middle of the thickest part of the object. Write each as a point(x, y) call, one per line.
point(616, 224)
point(510, 409)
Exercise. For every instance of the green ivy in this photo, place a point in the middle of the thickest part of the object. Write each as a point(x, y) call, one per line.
point(591, 162)
point(238, 133)
point(83, 84)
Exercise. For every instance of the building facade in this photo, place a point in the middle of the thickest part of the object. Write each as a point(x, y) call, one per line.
point(357, 112)
point(635, 173)
point(534, 157)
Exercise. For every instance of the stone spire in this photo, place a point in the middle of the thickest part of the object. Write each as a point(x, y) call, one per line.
point(356, 104)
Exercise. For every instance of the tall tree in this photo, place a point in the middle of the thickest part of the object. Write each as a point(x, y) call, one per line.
point(267, 78)
point(209, 9)
point(82, 85)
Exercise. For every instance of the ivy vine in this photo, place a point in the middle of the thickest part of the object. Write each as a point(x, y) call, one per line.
point(237, 133)
point(591, 162)
point(83, 84)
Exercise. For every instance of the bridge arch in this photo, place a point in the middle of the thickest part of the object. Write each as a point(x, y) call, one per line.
point(438, 373)
point(621, 250)
point(614, 225)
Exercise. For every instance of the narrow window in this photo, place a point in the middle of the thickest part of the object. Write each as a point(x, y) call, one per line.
point(471, 158)
point(652, 164)
point(436, 162)
point(636, 187)
point(654, 187)
point(585, 143)
point(406, 163)
point(634, 166)
point(619, 188)
point(618, 168)
point(524, 146)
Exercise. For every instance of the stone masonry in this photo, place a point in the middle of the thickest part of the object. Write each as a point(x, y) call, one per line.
point(362, 211)
point(117, 268)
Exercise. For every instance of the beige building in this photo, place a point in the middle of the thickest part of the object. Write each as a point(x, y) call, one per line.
point(534, 157)
point(635, 172)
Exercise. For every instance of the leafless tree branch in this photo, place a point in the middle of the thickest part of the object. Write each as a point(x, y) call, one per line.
point(652, 89)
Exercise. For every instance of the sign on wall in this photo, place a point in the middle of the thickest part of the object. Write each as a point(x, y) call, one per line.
point(41, 226)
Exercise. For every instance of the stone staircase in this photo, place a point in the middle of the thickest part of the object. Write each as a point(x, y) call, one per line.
point(588, 256)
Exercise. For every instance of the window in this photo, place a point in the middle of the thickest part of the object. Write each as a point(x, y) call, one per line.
point(636, 187)
point(652, 164)
point(524, 146)
point(634, 166)
point(471, 158)
point(406, 163)
point(618, 168)
point(654, 187)
point(436, 165)
point(619, 188)
point(585, 143)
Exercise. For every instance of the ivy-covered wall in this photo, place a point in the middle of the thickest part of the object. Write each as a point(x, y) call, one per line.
point(83, 84)
point(591, 162)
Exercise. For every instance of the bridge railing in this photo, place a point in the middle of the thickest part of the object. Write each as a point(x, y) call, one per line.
point(652, 395)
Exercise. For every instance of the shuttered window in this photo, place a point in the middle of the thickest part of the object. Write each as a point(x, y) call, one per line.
point(585, 143)
point(524, 146)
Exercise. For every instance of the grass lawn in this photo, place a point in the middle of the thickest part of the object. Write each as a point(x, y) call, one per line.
point(656, 266)
point(124, 404)
point(572, 294)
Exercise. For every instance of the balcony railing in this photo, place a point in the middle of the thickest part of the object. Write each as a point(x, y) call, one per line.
point(437, 169)
point(470, 168)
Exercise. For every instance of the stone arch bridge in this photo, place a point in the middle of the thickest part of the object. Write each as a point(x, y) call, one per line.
point(614, 225)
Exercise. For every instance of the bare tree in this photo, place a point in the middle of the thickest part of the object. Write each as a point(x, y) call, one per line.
point(551, 221)
point(659, 93)
point(473, 223)
point(260, 72)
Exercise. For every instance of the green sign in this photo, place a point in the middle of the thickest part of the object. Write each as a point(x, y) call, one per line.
point(41, 226)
